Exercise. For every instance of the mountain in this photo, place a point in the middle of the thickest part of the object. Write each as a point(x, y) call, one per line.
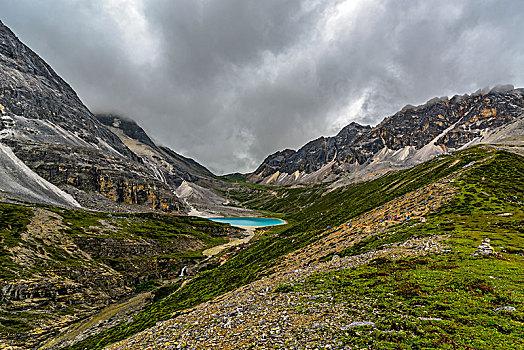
point(168, 166)
point(200, 191)
point(309, 163)
point(63, 150)
point(409, 137)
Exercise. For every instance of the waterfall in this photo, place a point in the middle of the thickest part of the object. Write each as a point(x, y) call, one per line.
point(182, 272)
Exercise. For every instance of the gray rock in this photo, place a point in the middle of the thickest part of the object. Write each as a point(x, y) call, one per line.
point(484, 248)
point(505, 308)
point(358, 324)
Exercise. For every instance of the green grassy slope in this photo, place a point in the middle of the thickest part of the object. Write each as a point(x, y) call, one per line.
point(452, 300)
point(80, 223)
point(41, 257)
point(310, 208)
point(309, 214)
point(13, 221)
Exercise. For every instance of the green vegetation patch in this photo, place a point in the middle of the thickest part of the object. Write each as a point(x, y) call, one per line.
point(446, 302)
point(13, 326)
point(13, 222)
point(146, 286)
point(316, 207)
point(313, 212)
point(160, 227)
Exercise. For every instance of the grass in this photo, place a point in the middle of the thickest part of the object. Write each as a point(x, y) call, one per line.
point(235, 177)
point(140, 226)
point(445, 301)
point(13, 222)
point(314, 208)
point(311, 214)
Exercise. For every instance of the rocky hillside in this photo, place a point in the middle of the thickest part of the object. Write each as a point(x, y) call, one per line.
point(201, 192)
point(168, 166)
point(59, 266)
point(411, 136)
point(47, 133)
point(397, 262)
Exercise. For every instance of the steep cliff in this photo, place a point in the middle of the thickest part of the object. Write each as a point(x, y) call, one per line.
point(48, 128)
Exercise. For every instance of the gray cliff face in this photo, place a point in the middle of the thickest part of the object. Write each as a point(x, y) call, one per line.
point(47, 127)
point(31, 89)
point(469, 115)
point(315, 154)
point(439, 126)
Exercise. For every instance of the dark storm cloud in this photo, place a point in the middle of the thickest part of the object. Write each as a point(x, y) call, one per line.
point(228, 82)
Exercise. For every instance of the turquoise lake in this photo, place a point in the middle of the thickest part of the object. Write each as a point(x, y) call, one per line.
point(249, 221)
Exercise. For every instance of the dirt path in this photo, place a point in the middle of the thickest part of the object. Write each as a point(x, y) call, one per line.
point(234, 241)
point(129, 306)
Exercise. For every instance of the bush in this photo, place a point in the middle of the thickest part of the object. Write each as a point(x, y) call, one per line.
point(480, 286)
point(284, 288)
point(408, 289)
point(145, 286)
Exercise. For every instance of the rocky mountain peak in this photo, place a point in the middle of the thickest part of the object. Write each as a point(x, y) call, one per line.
point(416, 132)
point(31, 89)
point(128, 126)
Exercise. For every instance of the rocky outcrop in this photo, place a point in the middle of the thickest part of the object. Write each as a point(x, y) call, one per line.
point(47, 127)
point(91, 170)
point(194, 185)
point(313, 156)
point(484, 248)
point(112, 248)
point(409, 137)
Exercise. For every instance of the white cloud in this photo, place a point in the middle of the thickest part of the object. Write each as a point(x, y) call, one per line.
point(139, 41)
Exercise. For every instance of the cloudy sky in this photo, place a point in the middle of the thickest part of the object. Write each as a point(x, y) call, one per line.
point(228, 82)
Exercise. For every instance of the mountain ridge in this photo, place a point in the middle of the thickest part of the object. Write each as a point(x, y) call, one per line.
point(436, 127)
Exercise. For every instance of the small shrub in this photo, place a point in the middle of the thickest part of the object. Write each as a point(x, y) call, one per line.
point(284, 288)
point(481, 286)
point(145, 286)
point(408, 289)
point(380, 261)
point(165, 291)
